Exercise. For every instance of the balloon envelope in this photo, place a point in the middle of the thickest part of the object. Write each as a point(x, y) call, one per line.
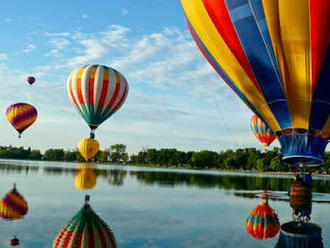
point(88, 148)
point(274, 54)
point(97, 92)
point(30, 80)
point(85, 177)
point(262, 222)
point(86, 229)
point(21, 116)
point(13, 206)
point(261, 131)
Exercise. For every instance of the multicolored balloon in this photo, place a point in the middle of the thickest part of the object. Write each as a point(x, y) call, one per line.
point(85, 177)
point(263, 222)
point(86, 229)
point(13, 205)
point(30, 80)
point(88, 148)
point(261, 131)
point(21, 116)
point(97, 92)
point(275, 55)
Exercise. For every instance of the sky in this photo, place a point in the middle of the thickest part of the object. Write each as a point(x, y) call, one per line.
point(175, 98)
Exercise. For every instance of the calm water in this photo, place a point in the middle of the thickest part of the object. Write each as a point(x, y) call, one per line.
point(148, 207)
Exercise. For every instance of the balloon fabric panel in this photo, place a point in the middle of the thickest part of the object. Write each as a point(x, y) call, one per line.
point(97, 92)
point(21, 116)
point(275, 55)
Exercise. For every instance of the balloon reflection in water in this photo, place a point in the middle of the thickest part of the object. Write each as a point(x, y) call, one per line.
point(263, 222)
point(85, 177)
point(13, 205)
point(300, 233)
point(86, 229)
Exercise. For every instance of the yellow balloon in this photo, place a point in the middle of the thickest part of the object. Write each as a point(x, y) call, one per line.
point(85, 178)
point(88, 148)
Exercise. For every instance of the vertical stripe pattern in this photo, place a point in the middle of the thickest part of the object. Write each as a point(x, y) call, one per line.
point(262, 222)
point(86, 229)
point(97, 92)
point(275, 55)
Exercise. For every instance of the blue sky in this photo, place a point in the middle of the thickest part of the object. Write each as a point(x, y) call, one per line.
point(175, 97)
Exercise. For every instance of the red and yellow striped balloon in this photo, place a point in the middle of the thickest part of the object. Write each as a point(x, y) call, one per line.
point(263, 222)
point(21, 116)
point(261, 131)
point(13, 206)
point(86, 229)
point(97, 92)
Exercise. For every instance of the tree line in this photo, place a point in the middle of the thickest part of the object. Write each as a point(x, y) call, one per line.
point(240, 159)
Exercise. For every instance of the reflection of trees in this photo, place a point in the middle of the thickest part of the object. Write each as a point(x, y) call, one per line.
point(221, 181)
point(171, 179)
point(115, 177)
point(11, 169)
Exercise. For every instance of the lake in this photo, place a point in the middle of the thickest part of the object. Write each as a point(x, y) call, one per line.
point(150, 207)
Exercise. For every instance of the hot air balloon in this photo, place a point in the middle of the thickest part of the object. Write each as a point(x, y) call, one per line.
point(306, 235)
point(13, 205)
point(274, 55)
point(14, 242)
point(86, 229)
point(261, 131)
point(85, 177)
point(21, 116)
point(263, 222)
point(97, 92)
point(88, 148)
point(30, 80)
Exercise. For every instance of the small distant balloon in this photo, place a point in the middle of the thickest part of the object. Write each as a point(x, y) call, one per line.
point(30, 80)
point(21, 116)
point(261, 131)
point(14, 242)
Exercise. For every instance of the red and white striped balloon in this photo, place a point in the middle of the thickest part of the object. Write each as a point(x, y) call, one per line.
point(97, 92)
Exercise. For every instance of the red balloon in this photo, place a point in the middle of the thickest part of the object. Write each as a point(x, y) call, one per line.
point(30, 80)
point(14, 242)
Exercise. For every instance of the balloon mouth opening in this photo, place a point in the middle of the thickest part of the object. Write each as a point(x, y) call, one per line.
point(297, 229)
point(304, 160)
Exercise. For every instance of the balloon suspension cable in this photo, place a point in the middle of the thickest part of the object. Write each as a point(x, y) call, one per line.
point(19, 136)
point(92, 134)
point(266, 190)
point(87, 198)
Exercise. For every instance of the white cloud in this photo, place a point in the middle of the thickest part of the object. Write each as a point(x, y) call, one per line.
point(3, 56)
point(124, 11)
point(29, 48)
point(9, 19)
point(57, 34)
point(60, 44)
point(84, 16)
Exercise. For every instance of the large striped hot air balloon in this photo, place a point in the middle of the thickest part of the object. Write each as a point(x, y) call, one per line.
point(261, 131)
point(21, 116)
point(13, 206)
point(263, 222)
point(274, 54)
point(97, 92)
point(86, 229)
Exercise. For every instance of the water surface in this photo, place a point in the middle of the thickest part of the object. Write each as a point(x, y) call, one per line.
point(148, 207)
